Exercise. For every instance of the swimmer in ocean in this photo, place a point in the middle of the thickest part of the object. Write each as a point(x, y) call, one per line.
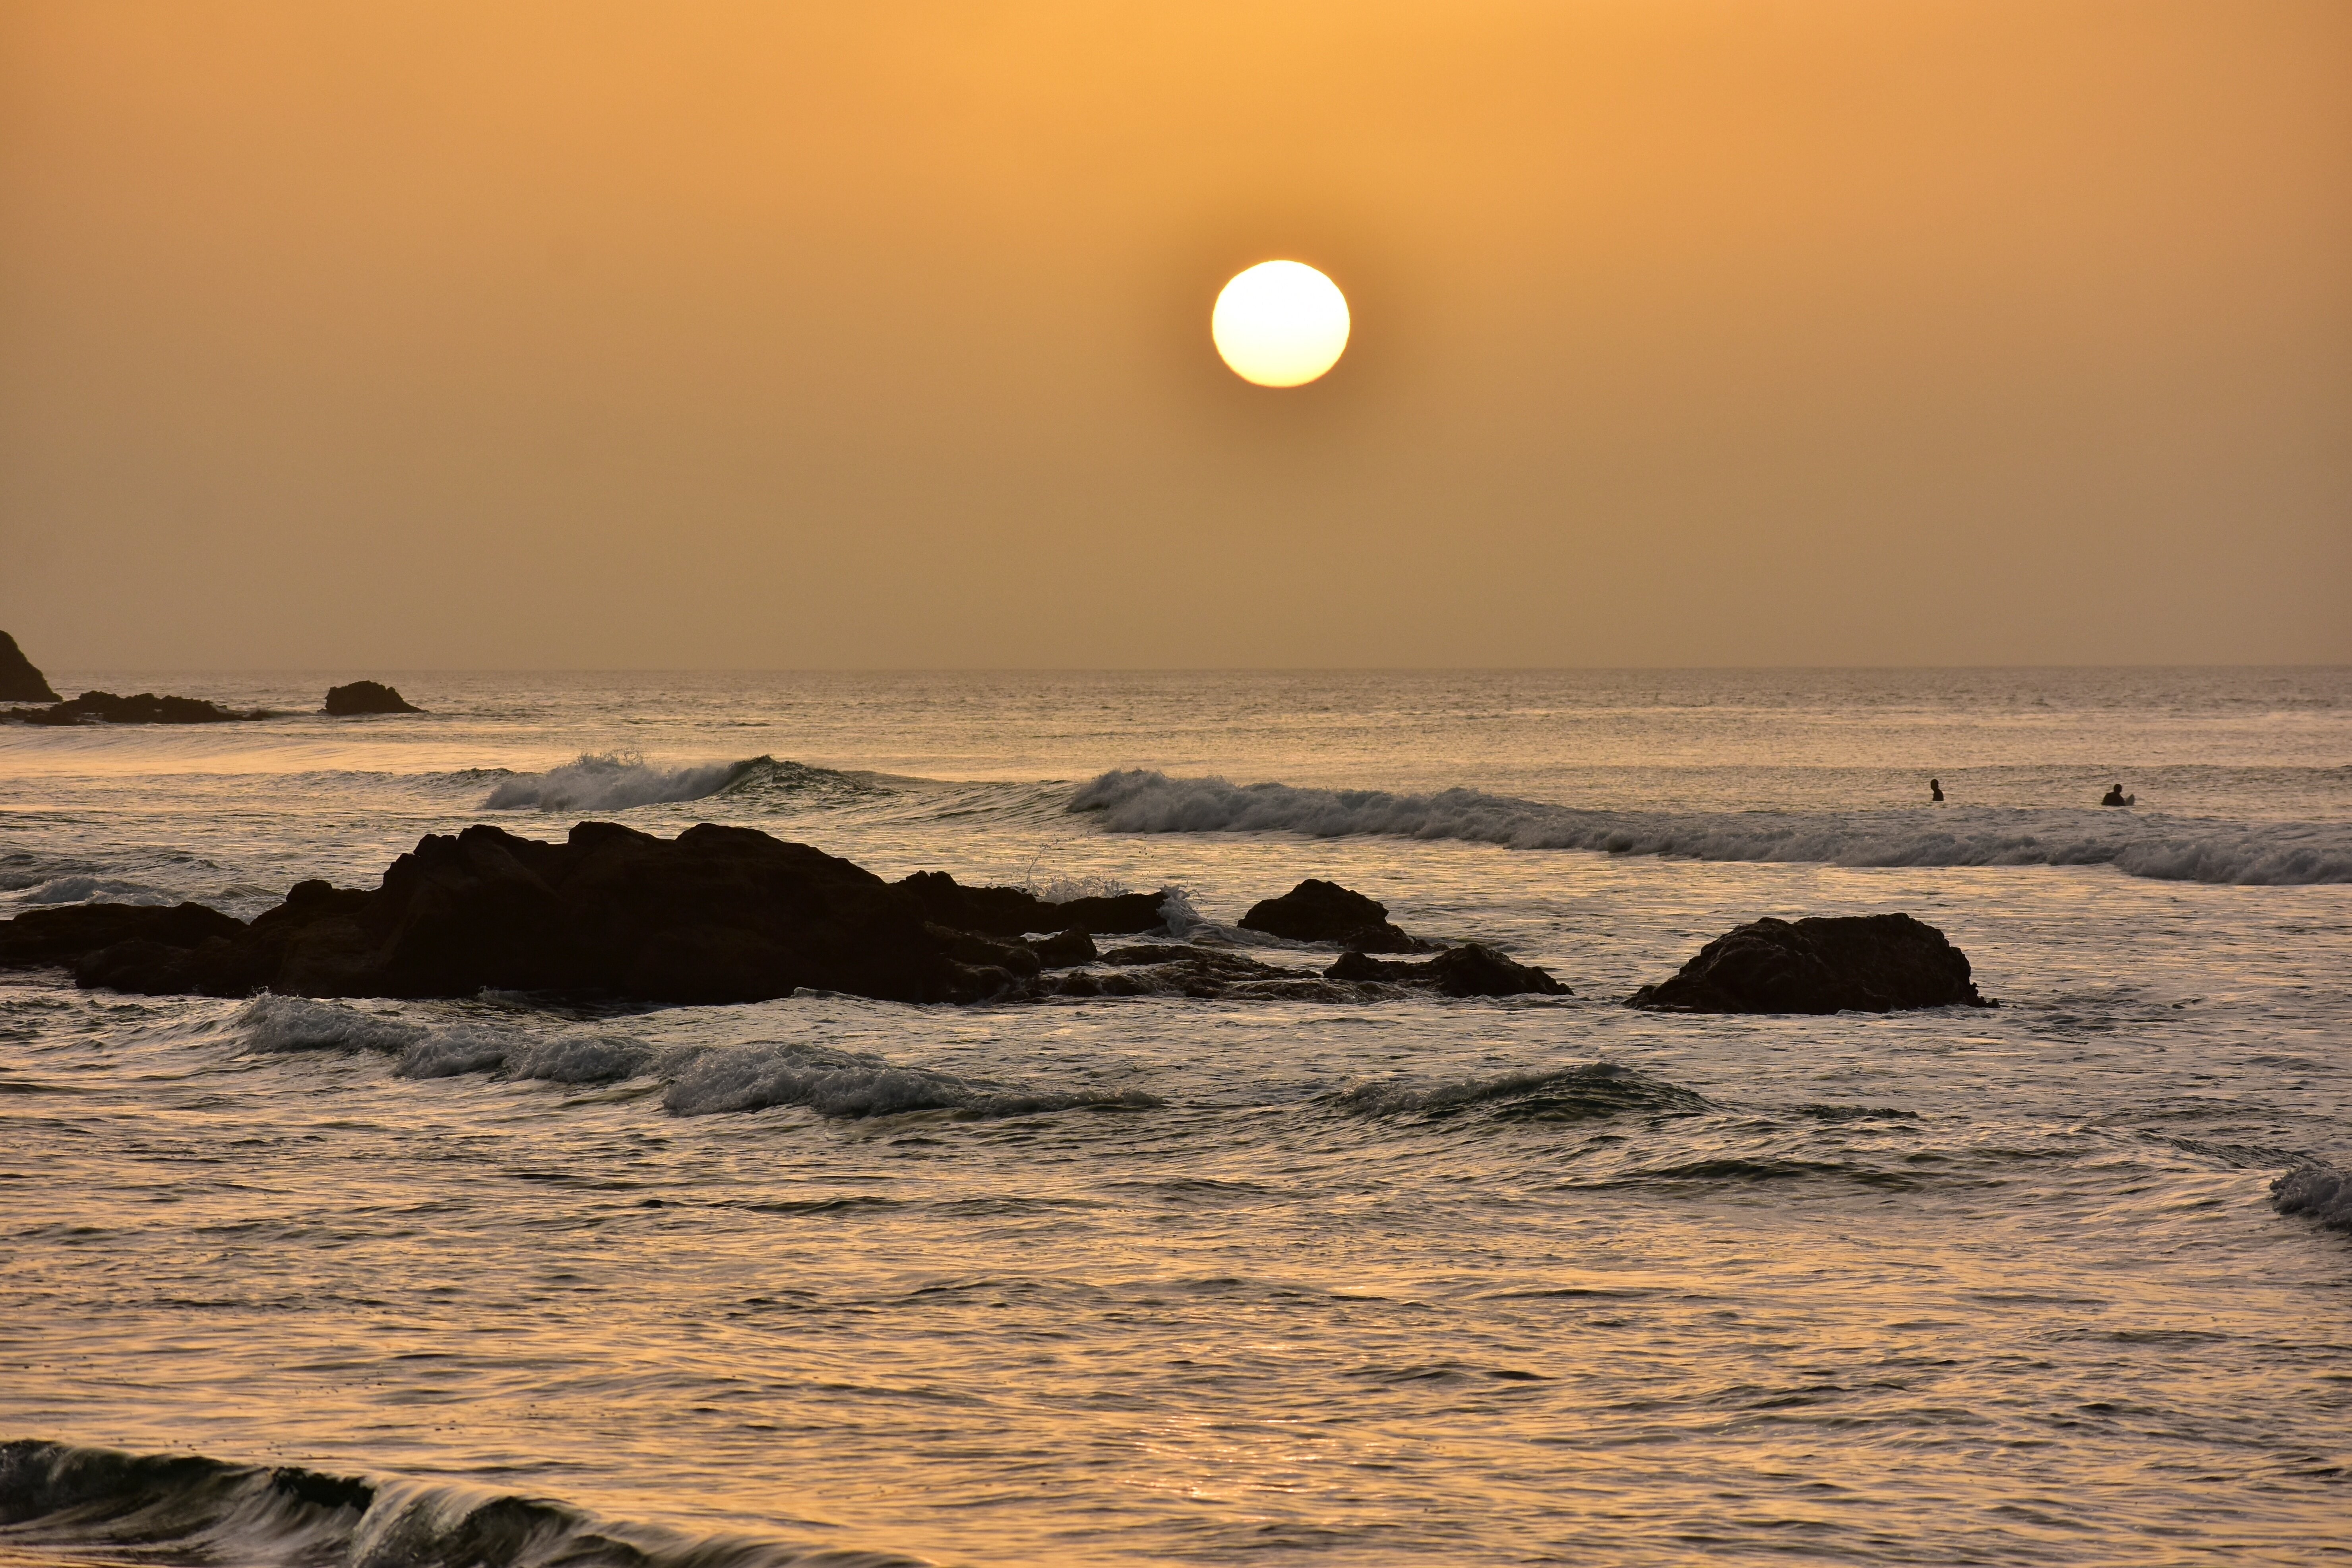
point(2117, 796)
point(1934, 792)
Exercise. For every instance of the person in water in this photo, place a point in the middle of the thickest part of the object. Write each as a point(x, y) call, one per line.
point(2117, 796)
point(1934, 792)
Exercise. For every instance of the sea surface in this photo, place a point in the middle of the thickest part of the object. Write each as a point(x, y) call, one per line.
point(518, 1279)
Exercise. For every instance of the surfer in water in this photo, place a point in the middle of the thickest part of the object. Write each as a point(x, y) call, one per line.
point(2117, 796)
point(1934, 792)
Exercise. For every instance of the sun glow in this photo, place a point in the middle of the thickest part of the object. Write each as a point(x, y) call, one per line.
point(1280, 323)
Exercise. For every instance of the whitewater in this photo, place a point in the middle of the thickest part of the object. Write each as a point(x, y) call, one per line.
point(523, 1280)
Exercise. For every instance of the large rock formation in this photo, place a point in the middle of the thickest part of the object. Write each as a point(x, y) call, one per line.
point(1862, 964)
point(1316, 911)
point(718, 914)
point(366, 696)
point(146, 708)
point(19, 681)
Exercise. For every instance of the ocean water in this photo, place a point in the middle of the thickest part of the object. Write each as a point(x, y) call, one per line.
point(518, 1279)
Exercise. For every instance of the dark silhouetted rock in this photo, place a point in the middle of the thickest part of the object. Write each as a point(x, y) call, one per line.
point(146, 708)
point(1208, 974)
point(715, 915)
point(1011, 912)
point(66, 935)
point(1065, 950)
point(1470, 970)
point(19, 681)
point(366, 696)
point(1316, 911)
point(965, 947)
point(718, 914)
point(1862, 964)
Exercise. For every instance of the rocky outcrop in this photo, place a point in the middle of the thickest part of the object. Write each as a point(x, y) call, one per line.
point(717, 914)
point(365, 697)
point(146, 708)
point(19, 681)
point(1007, 912)
point(1860, 964)
point(1316, 911)
point(65, 934)
point(1470, 970)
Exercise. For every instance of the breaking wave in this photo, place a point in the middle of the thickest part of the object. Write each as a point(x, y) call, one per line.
point(616, 781)
point(270, 1023)
point(83, 889)
point(834, 1082)
point(700, 1081)
point(2323, 1192)
point(149, 1506)
point(2283, 853)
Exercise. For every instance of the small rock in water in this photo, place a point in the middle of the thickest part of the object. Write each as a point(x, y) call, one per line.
point(19, 681)
point(1860, 963)
point(1317, 910)
point(366, 696)
point(1470, 970)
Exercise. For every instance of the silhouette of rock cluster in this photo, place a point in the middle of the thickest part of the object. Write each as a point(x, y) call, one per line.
point(717, 914)
point(146, 708)
point(730, 914)
point(1862, 964)
point(366, 696)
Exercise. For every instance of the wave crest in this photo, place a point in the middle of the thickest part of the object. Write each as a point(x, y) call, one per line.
point(2265, 853)
point(616, 781)
point(2323, 1192)
point(183, 1507)
point(834, 1082)
point(1566, 1094)
point(271, 1023)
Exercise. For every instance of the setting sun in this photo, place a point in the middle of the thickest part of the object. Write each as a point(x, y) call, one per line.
point(1280, 323)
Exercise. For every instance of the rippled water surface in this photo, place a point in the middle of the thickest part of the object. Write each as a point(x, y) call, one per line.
point(1163, 1281)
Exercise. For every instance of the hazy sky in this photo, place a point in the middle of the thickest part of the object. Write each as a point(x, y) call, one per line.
point(1687, 331)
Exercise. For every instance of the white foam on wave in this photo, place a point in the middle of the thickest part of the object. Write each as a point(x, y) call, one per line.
point(834, 1082)
point(271, 1023)
point(614, 781)
point(2323, 1192)
point(92, 890)
point(2283, 853)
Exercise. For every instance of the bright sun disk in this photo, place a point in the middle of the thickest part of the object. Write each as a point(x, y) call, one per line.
point(1280, 323)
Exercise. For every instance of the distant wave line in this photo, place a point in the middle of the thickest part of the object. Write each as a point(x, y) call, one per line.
point(2269, 853)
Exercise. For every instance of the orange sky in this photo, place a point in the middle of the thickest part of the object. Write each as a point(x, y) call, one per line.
point(1687, 332)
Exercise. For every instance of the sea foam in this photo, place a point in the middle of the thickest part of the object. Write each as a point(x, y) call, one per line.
point(2323, 1192)
point(439, 1050)
point(2283, 853)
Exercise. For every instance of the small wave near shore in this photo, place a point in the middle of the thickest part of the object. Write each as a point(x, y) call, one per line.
point(66, 1496)
point(2167, 849)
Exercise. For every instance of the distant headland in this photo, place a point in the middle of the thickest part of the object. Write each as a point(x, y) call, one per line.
point(22, 682)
